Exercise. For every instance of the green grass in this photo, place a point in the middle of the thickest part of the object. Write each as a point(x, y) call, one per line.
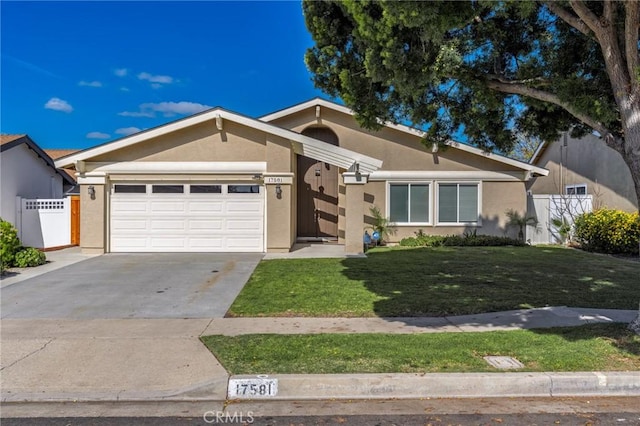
point(598, 347)
point(439, 281)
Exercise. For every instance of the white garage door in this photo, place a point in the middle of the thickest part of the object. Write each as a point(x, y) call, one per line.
point(160, 217)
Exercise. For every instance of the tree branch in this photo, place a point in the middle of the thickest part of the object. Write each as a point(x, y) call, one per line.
point(541, 95)
point(632, 18)
point(586, 15)
point(568, 17)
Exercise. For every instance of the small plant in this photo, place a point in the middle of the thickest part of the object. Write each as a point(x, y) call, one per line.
point(564, 228)
point(382, 225)
point(29, 257)
point(9, 244)
point(519, 221)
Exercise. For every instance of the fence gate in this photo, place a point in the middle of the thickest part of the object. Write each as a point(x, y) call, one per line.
point(547, 207)
point(44, 223)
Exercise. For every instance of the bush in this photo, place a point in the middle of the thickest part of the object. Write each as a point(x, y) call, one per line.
point(608, 231)
point(467, 239)
point(29, 257)
point(9, 244)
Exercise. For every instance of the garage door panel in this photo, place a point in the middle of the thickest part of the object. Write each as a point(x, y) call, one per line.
point(206, 225)
point(244, 207)
point(241, 243)
point(129, 225)
point(167, 207)
point(178, 243)
point(128, 206)
point(170, 225)
point(207, 244)
point(130, 243)
point(197, 222)
point(199, 207)
point(246, 225)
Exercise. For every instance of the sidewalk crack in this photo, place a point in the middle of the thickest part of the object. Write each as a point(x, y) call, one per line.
point(205, 327)
point(27, 355)
point(453, 324)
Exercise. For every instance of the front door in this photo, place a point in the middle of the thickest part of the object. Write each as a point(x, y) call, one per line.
point(317, 191)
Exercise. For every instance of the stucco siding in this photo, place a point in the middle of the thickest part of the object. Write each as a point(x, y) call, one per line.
point(587, 161)
point(201, 142)
point(24, 174)
point(398, 150)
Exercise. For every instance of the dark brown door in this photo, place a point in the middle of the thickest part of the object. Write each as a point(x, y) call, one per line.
point(317, 191)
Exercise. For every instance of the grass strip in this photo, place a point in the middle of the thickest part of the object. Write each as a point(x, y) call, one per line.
point(594, 347)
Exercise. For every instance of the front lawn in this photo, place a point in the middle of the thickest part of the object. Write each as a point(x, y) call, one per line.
point(439, 281)
point(597, 347)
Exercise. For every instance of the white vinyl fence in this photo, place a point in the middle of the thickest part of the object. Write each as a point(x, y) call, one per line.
point(44, 223)
point(547, 207)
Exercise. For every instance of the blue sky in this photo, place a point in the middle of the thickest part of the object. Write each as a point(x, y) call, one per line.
point(78, 74)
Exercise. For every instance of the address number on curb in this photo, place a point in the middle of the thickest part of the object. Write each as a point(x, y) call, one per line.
point(253, 388)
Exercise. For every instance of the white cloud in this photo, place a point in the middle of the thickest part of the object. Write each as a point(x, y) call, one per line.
point(98, 135)
point(58, 104)
point(136, 114)
point(124, 89)
point(163, 79)
point(168, 109)
point(121, 72)
point(90, 83)
point(156, 85)
point(127, 131)
point(172, 108)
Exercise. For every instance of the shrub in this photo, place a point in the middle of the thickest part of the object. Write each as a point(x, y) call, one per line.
point(473, 240)
point(9, 244)
point(608, 231)
point(467, 239)
point(29, 257)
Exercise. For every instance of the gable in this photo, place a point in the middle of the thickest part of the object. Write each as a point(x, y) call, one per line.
point(400, 149)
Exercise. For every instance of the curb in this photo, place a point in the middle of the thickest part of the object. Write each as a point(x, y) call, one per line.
point(309, 387)
point(443, 385)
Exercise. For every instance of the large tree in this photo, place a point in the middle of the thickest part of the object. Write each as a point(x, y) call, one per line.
point(492, 69)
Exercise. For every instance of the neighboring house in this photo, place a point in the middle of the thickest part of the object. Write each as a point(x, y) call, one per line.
point(26, 171)
point(222, 181)
point(59, 153)
point(584, 166)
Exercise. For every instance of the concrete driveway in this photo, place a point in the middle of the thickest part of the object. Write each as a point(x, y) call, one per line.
point(164, 285)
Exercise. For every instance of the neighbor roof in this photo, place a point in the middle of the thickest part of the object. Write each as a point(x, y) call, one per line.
point(405, 129)
point(303, 145)
point(59, 153)
point(10, 141)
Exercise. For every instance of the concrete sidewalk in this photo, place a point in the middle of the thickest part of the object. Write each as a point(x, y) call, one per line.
point(45, 360)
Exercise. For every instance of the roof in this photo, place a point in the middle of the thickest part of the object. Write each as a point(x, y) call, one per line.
point(59, 153)
point(9, 138)
point(323, 103)
point(302, 145)
point(10, 141)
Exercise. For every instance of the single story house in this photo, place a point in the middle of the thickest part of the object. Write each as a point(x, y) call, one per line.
point(584, 166)
point(27, 171)
point(223, 181)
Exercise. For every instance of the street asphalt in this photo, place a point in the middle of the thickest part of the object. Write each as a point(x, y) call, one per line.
point(105, 358)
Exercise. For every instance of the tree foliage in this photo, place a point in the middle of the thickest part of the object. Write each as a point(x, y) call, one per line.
point(493, 69)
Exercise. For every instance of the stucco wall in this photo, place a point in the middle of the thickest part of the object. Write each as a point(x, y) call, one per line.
point(24, 174)
point(202, 142)
point(587, 161)
point(93, 224)
point(398, 150)
point(497, 198)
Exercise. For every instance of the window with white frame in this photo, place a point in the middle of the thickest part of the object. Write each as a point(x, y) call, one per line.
point(458, 202)
point(409, 203)
point(576, 189)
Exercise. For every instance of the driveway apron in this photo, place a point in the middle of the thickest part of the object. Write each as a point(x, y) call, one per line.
point(162, 285)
